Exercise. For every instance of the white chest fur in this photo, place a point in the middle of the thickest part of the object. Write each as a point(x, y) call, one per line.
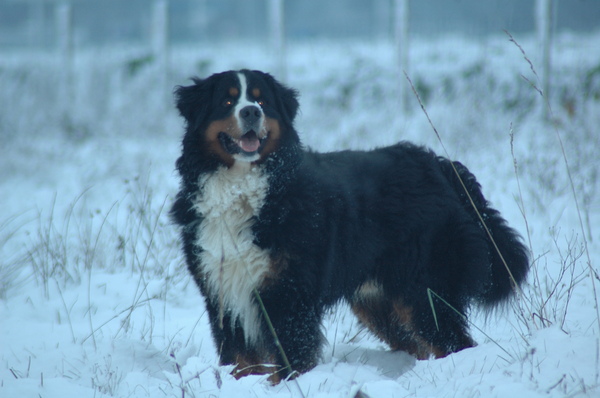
point(232, 264)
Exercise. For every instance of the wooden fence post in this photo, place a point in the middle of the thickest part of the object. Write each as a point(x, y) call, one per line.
point(277, 31)
point(543, 22)
point(401, 30)
point(64, 32)
point(160, 31)
point(160, 44)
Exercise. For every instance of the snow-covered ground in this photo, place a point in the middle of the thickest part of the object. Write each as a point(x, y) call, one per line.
point(95, 299)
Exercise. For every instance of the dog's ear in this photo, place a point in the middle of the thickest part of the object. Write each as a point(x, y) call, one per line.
point(287, 97)
point(193, 101)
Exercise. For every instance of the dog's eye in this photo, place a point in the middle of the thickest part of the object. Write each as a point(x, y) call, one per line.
point(227, 102)
point(261, 102)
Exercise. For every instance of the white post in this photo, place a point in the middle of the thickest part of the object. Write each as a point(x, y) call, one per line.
point(401, 30)
point(277, 31)
point(160, 29)
point(64, 30)
point(543, 20)
point(160, 42)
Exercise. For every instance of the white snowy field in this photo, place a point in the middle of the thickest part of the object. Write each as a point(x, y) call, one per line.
point(95, 300)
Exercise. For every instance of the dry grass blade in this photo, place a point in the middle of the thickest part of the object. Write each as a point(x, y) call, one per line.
point(512, 39)
point(570, 179)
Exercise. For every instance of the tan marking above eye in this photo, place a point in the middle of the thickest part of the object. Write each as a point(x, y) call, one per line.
point(256, 92)
point(234, 92)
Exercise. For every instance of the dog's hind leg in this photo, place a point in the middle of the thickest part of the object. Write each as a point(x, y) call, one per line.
point(409, 327)
point(388, 319)
point(442, 326)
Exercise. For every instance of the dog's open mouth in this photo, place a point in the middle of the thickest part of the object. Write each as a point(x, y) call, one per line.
point(248, 144)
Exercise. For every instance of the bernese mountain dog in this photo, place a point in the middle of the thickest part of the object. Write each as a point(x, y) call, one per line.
point(275, 234)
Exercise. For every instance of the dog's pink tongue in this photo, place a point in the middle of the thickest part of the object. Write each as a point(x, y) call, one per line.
point(249, 142)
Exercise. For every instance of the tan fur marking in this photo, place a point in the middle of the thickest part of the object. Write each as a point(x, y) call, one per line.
point(251, 364)
point(391, 321)
point(403, 313)
point(419, 347)
point(228, 126)
point(372, 309)
point(276, 267)
point(256, 92)
point(369, 290)
point(272, 144)
point(234, 91)
point(365, 316)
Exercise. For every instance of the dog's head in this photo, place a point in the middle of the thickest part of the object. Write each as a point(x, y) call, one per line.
point(236, 116)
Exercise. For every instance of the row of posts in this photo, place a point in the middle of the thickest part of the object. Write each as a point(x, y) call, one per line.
point(401, 17)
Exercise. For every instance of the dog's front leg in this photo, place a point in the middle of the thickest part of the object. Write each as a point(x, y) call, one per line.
point(295, 337)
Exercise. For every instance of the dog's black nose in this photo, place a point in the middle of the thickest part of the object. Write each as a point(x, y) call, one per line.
point(250, 114)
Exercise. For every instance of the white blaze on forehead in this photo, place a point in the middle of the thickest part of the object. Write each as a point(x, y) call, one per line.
point(244, 100)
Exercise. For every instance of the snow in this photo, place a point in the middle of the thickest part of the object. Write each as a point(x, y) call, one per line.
point(95, 299)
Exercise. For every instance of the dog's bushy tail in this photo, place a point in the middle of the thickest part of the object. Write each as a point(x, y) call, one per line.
point(501, 283)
